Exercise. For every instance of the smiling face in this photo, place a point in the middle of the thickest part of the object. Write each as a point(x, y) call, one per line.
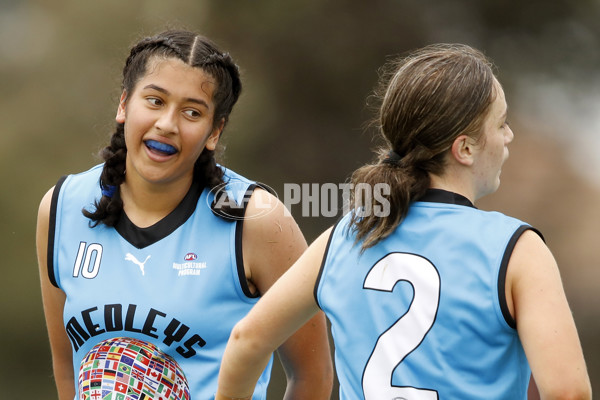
point(492, 150)
point(168, 121)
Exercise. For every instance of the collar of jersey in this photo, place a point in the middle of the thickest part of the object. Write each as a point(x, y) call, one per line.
point(444, 196)
point(143, 237)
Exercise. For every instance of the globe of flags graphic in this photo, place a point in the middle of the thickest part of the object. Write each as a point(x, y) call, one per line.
point(130, 369)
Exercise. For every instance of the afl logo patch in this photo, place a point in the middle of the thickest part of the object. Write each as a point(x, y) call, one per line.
point(190, 257)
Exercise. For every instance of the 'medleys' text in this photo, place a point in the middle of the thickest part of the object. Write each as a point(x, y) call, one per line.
point(112, 319)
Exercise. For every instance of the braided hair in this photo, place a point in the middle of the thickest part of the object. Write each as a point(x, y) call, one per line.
point(196, 51)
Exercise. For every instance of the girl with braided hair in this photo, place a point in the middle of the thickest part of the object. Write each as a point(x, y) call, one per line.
point(433, 298)
point(149, 259)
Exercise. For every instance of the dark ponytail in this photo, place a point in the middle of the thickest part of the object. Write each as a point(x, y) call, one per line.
point(407, 180)
point(427, 100)
point(196, 51)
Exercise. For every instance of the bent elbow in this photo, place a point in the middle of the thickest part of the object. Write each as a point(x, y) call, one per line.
point(580, 392)
point(245, 338)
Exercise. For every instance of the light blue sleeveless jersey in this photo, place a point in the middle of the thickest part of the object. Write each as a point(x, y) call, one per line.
point(423, 314)
point(179, 284)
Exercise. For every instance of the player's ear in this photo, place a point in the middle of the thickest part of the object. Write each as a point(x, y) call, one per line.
point(463, 149)
point(213, 139)
point(120, 118)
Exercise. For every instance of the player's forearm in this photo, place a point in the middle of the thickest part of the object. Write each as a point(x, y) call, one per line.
point(235, 383)
point(237, 379)
point(241, 367)
point(65, 386)
point(308, 366)
point(314, 389)
point(220, 396)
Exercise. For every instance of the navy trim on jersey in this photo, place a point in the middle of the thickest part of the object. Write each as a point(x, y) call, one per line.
point(52, 230)
point(318, 280)
point(143, 237)
point(503, 270)
point(239, 255)
point(444, 196)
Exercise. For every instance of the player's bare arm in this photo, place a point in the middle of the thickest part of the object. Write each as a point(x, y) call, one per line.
point(271, 244)
point(54, 300)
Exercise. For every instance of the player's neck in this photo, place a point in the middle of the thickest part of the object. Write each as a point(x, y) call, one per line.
point(147, 203)
point(453, 183)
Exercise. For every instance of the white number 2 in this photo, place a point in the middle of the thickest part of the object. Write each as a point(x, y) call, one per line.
point(407, 333)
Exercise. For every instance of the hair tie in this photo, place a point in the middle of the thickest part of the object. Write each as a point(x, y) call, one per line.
point(392, 158)
point(108, 190)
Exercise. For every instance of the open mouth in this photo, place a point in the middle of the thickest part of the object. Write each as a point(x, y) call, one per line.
point(161, 148)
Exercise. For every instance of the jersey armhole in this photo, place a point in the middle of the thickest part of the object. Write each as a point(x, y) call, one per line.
point(52, 231)
point(322, 267)
point(239, 255)
point(503, 270)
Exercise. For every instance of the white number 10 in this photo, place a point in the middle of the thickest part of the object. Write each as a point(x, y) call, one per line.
point(407, 333)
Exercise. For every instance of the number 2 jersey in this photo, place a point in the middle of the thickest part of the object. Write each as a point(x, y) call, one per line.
point(178, 285)
point(423, 314)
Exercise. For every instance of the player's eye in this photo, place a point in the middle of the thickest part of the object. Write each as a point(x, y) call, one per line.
point(154, 101)
point(193, 113)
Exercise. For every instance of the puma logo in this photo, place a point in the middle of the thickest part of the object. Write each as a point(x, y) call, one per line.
point(131, 257)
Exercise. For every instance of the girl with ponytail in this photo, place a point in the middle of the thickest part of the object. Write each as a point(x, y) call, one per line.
point(149, 259)
point(434, 299)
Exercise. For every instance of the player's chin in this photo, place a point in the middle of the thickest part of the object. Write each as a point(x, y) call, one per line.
point(494, 185)
point(497, 183)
